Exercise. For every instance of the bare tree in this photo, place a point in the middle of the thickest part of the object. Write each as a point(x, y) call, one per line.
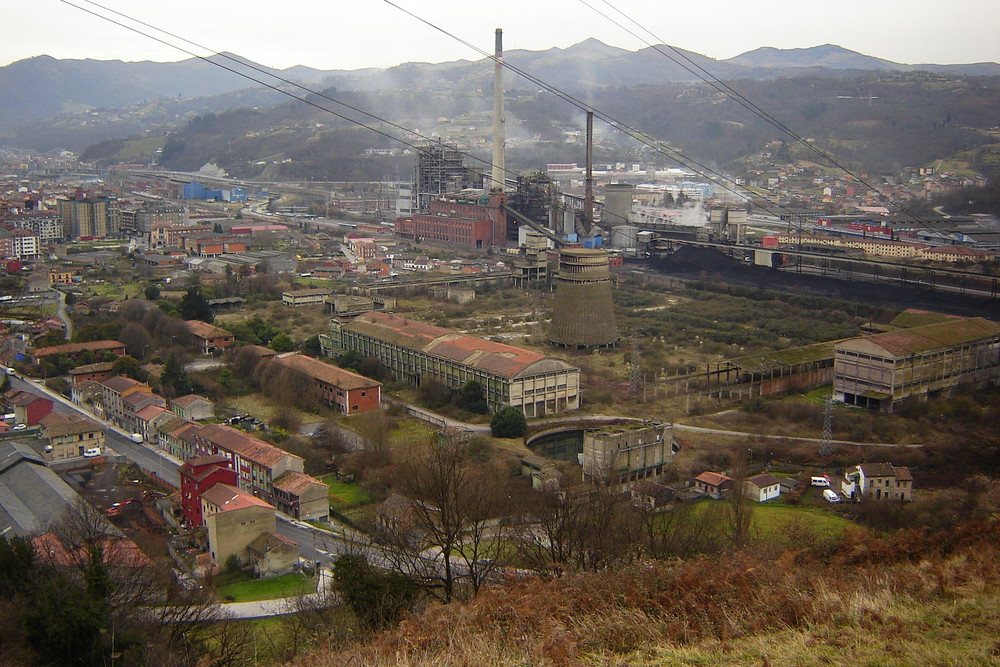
point(374, 429)
point(739, 504)
point(455, 512)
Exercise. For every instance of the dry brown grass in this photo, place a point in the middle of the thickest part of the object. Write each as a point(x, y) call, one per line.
point(900, 601)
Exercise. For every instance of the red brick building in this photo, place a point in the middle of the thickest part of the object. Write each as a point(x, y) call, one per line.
point(469, 221)
point(349, 392)
point(98, 372)
point(208, 337)
point(198, 475)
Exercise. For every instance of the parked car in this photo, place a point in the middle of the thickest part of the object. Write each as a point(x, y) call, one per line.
point(20, 427)
point(830, 496)
point(92, 452)
point(823, 480)
point(136, 437)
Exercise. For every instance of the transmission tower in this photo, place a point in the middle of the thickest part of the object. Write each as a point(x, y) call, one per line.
point(635, 369)
point(826, 447)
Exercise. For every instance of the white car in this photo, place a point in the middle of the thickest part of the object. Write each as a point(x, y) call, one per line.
point(92, 452)
point(136, 437)
point(20, 427)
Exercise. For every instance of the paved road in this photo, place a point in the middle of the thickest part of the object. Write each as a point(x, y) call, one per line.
point(146, 457)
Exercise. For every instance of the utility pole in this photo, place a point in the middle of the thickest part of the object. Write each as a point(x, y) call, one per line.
point(826, 447)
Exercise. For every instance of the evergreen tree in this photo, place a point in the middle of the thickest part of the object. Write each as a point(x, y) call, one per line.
point(174, 381)
point(194, 306)
point(508, 422)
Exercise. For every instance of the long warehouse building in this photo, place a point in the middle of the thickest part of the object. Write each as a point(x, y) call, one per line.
point(879, 370)
point(416, 352)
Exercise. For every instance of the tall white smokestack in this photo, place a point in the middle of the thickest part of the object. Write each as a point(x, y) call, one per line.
point(499, 139)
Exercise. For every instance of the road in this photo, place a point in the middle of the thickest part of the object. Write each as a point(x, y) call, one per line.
point(152, 460)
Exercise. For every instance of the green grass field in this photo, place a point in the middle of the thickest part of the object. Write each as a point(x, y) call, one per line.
point(343, 495)
point(774, 521)
point(245, 589)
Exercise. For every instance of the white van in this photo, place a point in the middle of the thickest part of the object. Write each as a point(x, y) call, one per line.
point(830, 496)
point(820, 481)
point(92, 452)
point(136, 437)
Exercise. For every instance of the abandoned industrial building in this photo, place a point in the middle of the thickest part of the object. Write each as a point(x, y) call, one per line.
point(626, 453)
point(879, 370)
point(416, 352)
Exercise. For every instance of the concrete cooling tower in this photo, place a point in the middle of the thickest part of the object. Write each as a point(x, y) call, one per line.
point(583, 315)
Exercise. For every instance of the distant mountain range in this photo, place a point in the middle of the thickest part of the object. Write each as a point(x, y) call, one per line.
point(43, 87)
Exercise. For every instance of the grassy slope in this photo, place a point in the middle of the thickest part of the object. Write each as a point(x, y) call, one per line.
point(872, 601)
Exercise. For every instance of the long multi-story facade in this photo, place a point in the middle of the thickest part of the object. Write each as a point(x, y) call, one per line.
point(879, 370)
point(46, 224)
point(90, 217)
point(416, 352)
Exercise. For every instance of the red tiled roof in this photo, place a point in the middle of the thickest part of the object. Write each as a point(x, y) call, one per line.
point(295, 483)
point(189, 400)
point(205, 330)
point(712, 478)
point(115, 552)
point(120, 383)
point(73, 348)
point(499, 358)
point(324, 372)
point(247, 446)
point(228, 498)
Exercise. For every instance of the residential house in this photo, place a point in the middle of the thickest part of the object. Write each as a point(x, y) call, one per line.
point(29, 408)
point(273, 554)
point(349, 392)
point(235, 518)
point(193, 407)
point(176, 437)
point(134, 403)
point(713, 484)
point(302, 496)
point(207, 337)
point(146, 418)
point(114, 391)
point(199, 474)
point(69, 438)
point(877, 481)
point(257, 463)
point(762, 487)
point(98, 372)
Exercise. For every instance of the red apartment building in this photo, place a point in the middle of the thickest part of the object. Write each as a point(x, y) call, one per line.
point(198, 475)
point(257, 463)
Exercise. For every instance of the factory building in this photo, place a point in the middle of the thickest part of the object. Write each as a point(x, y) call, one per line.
point(472, 219)
point(879, 370)
point(628, 453)
point(416, 352)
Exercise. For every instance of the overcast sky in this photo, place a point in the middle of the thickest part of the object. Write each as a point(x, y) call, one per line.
point(337, 34)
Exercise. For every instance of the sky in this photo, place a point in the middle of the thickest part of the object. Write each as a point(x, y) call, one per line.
point(342, 34)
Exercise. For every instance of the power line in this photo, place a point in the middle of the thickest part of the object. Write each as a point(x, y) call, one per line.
point(703, 170)
point(694, 68)
point(273, 87)
point(638, 135)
